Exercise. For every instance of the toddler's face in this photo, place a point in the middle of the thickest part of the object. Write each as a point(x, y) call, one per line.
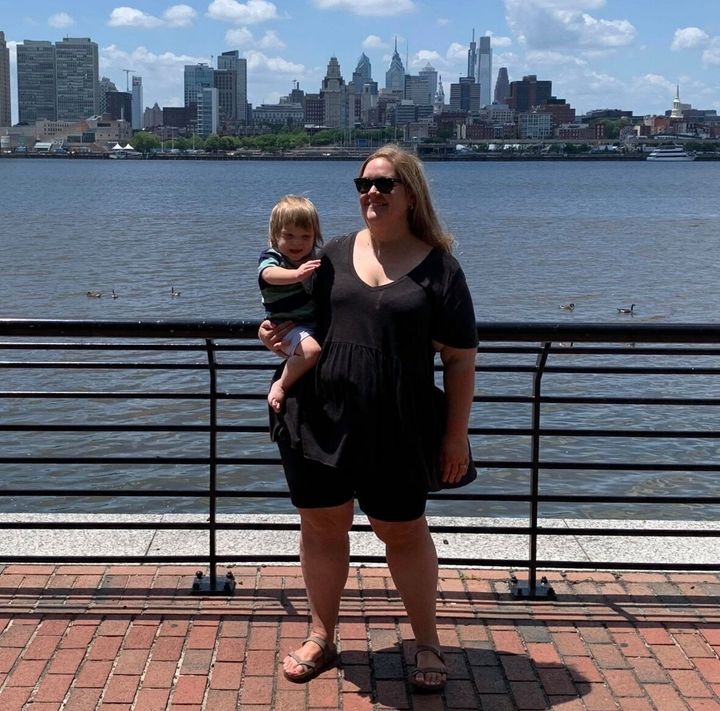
point(295, 242)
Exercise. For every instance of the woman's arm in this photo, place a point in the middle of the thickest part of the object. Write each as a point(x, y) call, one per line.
point(271, 335)
point(459, 384)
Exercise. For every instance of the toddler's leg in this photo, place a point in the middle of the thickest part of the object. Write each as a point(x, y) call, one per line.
point(305, 356)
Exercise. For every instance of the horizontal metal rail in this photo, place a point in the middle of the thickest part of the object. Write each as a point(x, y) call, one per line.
point(543, 370)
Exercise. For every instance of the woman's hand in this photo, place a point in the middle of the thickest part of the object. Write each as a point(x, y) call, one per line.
point(454, 458)
point(271, 335)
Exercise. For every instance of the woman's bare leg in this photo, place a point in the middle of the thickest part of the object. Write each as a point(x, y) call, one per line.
point(412, 560)
point(324, 556)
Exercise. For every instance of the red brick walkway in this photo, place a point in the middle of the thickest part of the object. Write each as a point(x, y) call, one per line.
point(132, 638)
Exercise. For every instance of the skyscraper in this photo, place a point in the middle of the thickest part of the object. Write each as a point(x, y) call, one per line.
point(432, 76)
point(5, 119)
point(234, 105)
point(484, 72)
point(137, 103)
point(197, 78)
point(502, 86)
point(395, 75)
point(362, 74)
point(36, 84)
point(105, 86)
point(472, 58)
point(334, 96)
point(77, 80)
point(528, 93)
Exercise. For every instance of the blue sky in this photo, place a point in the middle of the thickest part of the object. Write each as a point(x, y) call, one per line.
point(626, 54)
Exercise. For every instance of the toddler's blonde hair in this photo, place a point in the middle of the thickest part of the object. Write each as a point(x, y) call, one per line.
point(293, 210)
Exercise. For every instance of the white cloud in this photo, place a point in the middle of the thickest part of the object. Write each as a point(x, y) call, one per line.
point(457, 52)
point(372, 8)
point(270, 40)
point(131, 17)
point(239, 37)
point(712, 54)
point(249, 13)
point(499, 41)
point(561, 23)
point(374, 42)
point(688, 38)
point(179, 15)
point(258, 61)
point(442, 21)
point(61, 20)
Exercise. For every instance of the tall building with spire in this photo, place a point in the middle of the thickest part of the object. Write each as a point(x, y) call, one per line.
point(362, 74)
point(5, 114)
point(439, 105)
point(677, 109)
point(395, 75)
point(472, 58)
point(502, 86)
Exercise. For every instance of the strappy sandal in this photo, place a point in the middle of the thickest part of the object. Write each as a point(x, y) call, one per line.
point(420, 685)
point(311, 669)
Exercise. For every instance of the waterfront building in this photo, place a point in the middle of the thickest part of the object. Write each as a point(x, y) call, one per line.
point(137, 103)
point(334, 96)
point(289, 115)
point(575, 131)
point(395, 75)
point(197, 77)
point(314, 110)
point(235, 105)
point(484, 71)
point(105, 85)
point(152, 117)
point(182, 118)
point(118, 105)
point(405, 112)
point(77, 79)
point(208, 109)
point(5, 113)
point(502, 86)
point(528, 93)
point(36, 82)
point(561, 111)
point(497, 114)
point(535, 125)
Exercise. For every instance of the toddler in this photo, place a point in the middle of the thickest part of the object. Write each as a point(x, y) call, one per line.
point(285, 276)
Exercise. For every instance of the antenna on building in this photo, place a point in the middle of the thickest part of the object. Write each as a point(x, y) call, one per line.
point(127, 78)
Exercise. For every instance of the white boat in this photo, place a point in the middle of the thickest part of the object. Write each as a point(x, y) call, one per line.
point(670, 153)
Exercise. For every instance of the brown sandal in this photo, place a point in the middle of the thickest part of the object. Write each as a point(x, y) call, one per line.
point(313, 668)
point(420, 685)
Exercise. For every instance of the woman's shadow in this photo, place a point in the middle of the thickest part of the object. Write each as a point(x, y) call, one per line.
point(478, 677)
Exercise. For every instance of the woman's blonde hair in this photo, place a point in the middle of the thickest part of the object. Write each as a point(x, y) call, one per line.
point(293, 210)
point(422, 218)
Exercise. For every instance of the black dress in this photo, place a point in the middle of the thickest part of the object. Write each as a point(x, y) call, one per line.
point(372, 404)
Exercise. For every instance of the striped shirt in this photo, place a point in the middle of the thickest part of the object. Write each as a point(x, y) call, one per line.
point(288, 302)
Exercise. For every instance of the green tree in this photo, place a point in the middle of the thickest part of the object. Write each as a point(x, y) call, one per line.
point(213, 143)
point(145, 142)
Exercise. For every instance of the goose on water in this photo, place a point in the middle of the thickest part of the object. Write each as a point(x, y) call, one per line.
point(627, 311)
point(568, 307)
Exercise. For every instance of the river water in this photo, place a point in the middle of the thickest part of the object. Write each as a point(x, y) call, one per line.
point(531, 236)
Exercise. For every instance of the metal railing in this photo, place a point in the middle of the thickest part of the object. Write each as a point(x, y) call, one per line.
point(159, 364)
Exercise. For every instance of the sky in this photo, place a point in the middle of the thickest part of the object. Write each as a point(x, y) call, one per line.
point(625, 54)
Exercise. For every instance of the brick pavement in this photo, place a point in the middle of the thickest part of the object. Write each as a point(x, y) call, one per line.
point(132, 638)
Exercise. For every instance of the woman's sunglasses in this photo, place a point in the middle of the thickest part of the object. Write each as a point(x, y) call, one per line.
point(382, 185)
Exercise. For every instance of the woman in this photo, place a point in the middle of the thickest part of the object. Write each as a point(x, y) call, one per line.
point(370, 425)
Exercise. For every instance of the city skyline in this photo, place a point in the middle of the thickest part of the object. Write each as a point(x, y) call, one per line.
point(598, 53)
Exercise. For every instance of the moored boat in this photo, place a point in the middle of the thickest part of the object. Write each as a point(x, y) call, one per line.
point(670, 153)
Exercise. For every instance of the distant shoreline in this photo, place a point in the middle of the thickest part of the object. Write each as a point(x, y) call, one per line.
point(354, 156)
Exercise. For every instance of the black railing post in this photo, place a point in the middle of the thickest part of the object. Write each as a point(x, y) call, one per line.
point(533, 590)
point(228, 584)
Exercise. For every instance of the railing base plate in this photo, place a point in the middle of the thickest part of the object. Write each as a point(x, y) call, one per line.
point(223, 586)
point(521, 591)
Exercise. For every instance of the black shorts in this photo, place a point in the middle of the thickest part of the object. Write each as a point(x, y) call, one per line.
point(386, 496)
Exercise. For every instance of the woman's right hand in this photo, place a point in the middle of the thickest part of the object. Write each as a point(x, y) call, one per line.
point(271, 335)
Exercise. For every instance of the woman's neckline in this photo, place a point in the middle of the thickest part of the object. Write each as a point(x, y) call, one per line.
point(351, 259)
